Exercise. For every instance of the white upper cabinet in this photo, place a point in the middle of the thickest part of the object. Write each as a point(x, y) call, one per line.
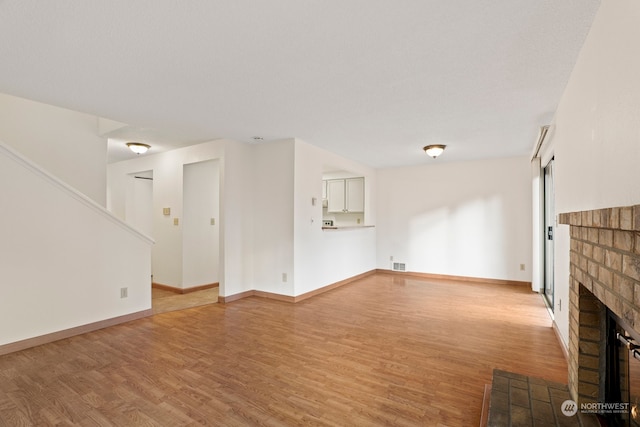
point(335, 195)
point(354, 198)
point(345, 195)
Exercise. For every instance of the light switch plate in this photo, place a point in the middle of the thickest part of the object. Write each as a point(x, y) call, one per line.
point(176, 221)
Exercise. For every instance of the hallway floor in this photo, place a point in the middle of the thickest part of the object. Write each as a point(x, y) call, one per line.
point(163, 301)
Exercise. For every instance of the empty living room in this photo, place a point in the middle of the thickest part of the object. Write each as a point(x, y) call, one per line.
point(319, 213)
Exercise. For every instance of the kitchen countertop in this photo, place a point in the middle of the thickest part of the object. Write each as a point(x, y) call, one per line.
point(346, 227)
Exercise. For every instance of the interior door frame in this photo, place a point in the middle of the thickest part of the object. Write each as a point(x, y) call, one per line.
point(548, 230)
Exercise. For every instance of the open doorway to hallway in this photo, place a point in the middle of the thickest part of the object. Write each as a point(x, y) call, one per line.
point(200, 241)
point(185, 227)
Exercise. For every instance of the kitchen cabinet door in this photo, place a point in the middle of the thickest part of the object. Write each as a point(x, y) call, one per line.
point(345, 195)
point(335, 195)
point(354, 197)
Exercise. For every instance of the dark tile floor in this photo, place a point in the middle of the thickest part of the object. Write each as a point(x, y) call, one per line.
point(517, 400)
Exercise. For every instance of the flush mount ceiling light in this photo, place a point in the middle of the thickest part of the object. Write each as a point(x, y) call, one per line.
point(138, 147)
point(434, 150)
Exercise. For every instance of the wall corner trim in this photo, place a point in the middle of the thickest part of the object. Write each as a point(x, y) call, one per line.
point(177, 290)
point(235, 297)
point(71, 332)
point(563, 345)
point(456, 278)
point(290, 299)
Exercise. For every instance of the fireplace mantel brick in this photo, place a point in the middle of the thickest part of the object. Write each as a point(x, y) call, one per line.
point(621, 218)
point(604, 270)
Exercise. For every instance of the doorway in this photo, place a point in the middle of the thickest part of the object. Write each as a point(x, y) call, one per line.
point(200, 234)
point(200, 241)
point(201, 237)
point(549, 229)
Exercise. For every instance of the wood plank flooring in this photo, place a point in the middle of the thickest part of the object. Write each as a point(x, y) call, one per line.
point(163, 301)
point(384, 350)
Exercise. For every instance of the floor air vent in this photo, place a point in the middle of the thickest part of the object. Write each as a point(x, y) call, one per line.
point(399, 266)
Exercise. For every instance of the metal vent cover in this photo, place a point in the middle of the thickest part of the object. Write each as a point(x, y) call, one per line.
point(399, 266)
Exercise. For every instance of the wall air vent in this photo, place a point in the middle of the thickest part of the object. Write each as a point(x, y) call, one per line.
point(399, 266)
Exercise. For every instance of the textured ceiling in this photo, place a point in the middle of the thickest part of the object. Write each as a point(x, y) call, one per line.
point(371, 80)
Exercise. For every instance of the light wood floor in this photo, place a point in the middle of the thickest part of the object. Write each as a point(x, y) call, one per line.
point(380, 351)
point(163, 301)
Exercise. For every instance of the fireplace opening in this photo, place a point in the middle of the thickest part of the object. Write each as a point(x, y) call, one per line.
point(621, 385)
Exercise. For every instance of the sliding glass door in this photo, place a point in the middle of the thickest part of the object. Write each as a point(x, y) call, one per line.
point(549, 229)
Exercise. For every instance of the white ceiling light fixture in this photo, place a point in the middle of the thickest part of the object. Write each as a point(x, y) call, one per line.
point(434, 150)
point(138, 147)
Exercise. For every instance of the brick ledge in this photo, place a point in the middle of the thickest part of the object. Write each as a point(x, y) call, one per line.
point(619, 218)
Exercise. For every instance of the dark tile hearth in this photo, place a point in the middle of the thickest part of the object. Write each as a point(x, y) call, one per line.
point(518, 400)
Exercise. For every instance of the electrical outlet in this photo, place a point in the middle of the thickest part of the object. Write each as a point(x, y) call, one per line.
point(391, 258)
point(213, 221)
point(124, 292)
point(521, 267)
point(176, 221)
point(284, 277)
point(358, 221)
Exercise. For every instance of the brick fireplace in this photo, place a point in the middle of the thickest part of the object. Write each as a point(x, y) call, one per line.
point(604, 271)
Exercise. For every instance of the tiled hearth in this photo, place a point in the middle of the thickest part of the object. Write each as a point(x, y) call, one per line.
point(604, 271)
point(518, 400)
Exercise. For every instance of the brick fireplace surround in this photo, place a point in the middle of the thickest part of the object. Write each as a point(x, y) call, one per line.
point(604, 271)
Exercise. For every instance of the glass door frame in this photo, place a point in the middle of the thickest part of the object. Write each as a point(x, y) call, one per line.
point(548, 230)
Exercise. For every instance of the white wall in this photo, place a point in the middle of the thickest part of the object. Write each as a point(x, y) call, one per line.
point(596, 128)
point(236, 209)
point(201, 238)
point(139, 208)
point(265, 216)
point(167, 171)
point(63, 257)
point(273, 195)
point(325, 257)
point(63, 142)
point(596, 131)
point(462, 219)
